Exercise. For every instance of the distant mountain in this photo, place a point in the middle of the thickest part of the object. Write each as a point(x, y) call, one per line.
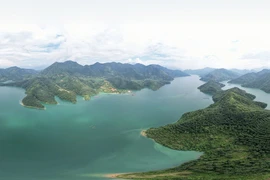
point(211, 87)
point(260, 80)
point(242, 71)
point(200, 72)
point(16, 74)
point(108, 70)
point(207, 70)
point(69, 79)
point(220, 75)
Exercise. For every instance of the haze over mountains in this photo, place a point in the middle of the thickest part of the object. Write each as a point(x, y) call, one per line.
point(16, 74)
point(260, 80)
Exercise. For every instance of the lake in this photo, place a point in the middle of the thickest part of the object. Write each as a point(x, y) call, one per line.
point(96, 137)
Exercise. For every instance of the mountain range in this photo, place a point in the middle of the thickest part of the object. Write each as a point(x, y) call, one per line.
point(220, 75)
point(260, 80)
point(207, 70)
point(69, 79)
point(16, 74)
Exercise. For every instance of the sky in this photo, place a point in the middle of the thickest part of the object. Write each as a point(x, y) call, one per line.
point(178, 34)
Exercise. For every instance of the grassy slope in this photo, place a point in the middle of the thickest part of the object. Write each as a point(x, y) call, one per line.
point(233, 133)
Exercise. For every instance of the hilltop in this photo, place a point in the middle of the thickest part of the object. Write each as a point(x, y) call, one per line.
point(211, 87)
point(233, 133)
point(69, 79)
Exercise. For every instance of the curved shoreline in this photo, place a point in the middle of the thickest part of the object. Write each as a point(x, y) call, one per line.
point(32, 107)
point(118, 175)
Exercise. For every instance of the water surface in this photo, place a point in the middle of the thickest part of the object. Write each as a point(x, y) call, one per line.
point(67, 141)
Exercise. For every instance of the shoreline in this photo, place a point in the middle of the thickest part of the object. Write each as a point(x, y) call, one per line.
point(113, 93)
point(143, 133)
point(32, 107)
point(114, 175)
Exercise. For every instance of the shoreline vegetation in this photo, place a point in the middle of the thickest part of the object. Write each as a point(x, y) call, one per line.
point(233, 133)
point(84, 98)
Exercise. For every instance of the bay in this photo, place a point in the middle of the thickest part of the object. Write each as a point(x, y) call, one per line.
point(92, 138)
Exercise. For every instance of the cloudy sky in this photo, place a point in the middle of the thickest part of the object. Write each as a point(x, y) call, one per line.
point(174, 33)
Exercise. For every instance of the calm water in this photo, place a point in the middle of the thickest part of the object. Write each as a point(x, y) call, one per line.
point(91, 138)
point(260, 95)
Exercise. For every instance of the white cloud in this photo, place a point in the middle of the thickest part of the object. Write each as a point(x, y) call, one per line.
point(6, 63)
point(174, 33)
point(264, 55)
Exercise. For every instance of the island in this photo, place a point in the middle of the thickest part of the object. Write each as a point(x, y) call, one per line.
point(233, 134)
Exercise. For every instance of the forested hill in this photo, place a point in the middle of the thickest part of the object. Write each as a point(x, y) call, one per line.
point(16, 74)
point(233, 133)
point(211, 87)
point(259, 80)
point(220, 75)
point(108, 70)
point(69, 79)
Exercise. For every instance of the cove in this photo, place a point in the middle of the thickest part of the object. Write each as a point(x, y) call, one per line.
point(93, 138)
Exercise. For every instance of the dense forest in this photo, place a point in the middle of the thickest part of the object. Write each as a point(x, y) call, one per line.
point(233, 133)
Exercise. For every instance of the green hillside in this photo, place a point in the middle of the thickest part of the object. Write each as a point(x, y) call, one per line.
point(69, 79)
point(260, 80)
point(233, 133)
point(16, 74)
point(211, 87)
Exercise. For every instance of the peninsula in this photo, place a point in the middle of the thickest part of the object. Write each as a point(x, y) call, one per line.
point(233, 133)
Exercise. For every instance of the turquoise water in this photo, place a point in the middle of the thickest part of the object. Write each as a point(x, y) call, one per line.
point(91, 138)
